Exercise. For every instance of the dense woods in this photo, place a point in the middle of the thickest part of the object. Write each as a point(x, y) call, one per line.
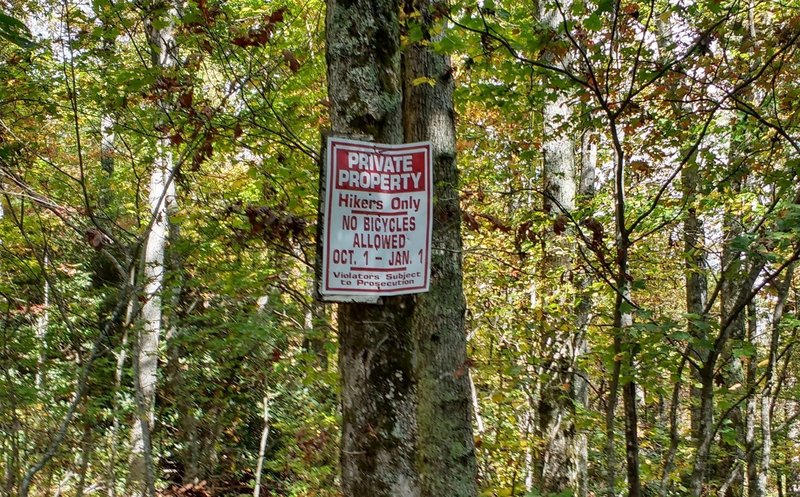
point(614, 307)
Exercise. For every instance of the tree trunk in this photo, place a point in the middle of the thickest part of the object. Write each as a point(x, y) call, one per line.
point(262, 448)
point(767, 394)
point(111, 473)
point(674, 435)
point(406, 423)
point(446, 453)
point(624, 348)
point(147, 345)
point(580, 383)
point(751, 373)
point(734, 283)
point(707, 372)
point(610, 423)
point(558, 463)
point(696, 264)
point(161, 195)
point(376, 348)
point(131, 311)
point(107, 143)
point(42, 324)
point(705, 426)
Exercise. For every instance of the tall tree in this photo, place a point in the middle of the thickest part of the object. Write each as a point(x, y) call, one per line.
point(376, 342)
point(405, 395)
point(159, 21)
point(446, 455)
point(558, 462)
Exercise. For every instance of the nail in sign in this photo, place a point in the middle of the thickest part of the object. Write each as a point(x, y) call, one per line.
point(377, 229)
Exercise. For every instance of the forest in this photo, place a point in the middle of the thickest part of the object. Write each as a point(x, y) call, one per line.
point(613, 306)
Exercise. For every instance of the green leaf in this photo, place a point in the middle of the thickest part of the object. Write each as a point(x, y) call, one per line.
point(415, 33)
point(625, 307)
point(746, 349)
point(605, 6)
point(741, 242)
point(15, 31)
point(593, 22)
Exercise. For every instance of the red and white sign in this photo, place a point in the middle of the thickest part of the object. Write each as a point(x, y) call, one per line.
point(377, 229)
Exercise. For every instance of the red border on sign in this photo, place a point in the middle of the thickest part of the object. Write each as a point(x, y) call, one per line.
point(331, 165)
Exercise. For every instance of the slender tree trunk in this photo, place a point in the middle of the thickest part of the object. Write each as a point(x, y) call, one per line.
point(705, 423)
point(111, 469)
point(674, 435)
point(87, 447)
point(147, 345)
point(262, 449)
point(107, 143)
point(42, 324)
point(106, 119)
point(556, 464)
point(695, 270)
point(580, 383)
point(610, 423)
point(751, 373)
point(624, 348)
point(161, 195)
point(733, 284)
point(629, 404)
point(707, 372)
point(695, 276)
point(767, 394)
point(695, 263)
point(476, 407)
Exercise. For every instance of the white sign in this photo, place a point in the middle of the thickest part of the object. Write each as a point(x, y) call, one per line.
point(377, 228)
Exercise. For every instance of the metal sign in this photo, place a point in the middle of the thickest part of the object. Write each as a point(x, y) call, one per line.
point(377, 220)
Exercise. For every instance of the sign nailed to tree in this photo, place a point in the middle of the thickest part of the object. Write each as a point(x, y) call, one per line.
point(377, 221)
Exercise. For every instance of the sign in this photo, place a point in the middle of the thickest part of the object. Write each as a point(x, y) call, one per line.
point(377, 220)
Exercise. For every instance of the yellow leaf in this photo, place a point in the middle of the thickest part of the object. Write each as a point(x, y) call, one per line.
point(422, 80)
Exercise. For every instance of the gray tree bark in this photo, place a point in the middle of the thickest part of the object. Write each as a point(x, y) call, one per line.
point(446, 453)
point(405, 407)
point(768, 394)
point(161, 196)
point(376, 342)
point(42, 324)
point(696, 265)
point(751, 374)
point(583, 310)
point(793, 476)
point(707, 374)
point(733, 283)
point(557, 465)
